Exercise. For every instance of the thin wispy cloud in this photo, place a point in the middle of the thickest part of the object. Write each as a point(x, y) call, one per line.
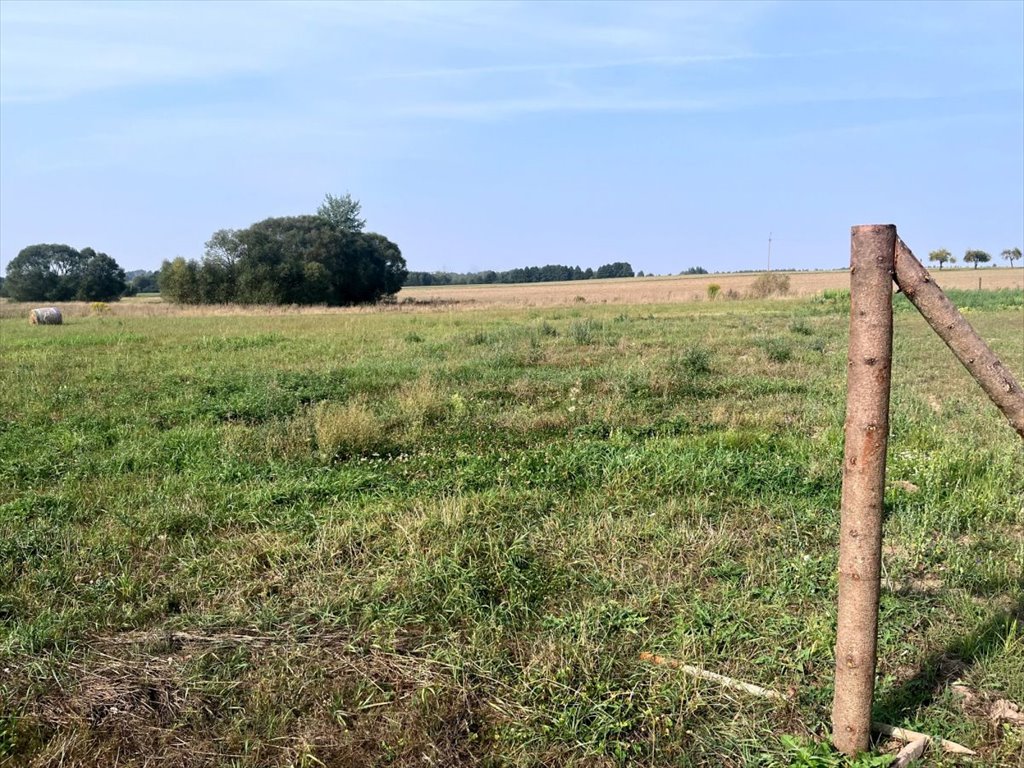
point(570, 66)
point(722, 102)
point(496, 109)
point(908, 126)
point(53, 51)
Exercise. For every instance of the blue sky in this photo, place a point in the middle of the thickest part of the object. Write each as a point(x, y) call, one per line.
point(494, 135)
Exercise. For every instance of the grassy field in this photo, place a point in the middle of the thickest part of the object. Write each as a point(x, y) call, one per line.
point(438, 537)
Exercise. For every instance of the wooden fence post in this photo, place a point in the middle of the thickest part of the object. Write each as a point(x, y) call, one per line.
point(969, 348)
point(869, 366)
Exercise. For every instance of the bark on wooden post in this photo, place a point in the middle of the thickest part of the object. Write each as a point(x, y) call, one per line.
point(869, 366)
point(969, 348)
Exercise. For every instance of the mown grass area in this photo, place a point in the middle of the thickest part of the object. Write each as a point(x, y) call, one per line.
point(445, 538)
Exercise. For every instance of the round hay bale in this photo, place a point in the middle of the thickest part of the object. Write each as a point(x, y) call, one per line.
point(45, 316)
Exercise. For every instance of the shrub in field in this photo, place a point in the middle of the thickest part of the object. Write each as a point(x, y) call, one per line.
point(713, 291)
point(683, 374)
point(778, 350)
point(801, 328)
point(584, 331)
point(346, 430)
point(769, 284)
point(696, 361)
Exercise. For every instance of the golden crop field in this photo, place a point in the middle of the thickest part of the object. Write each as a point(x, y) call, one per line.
point(680, 288)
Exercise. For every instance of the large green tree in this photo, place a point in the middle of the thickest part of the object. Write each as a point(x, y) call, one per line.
point(179, 281)
point(44, 272)
point(310, 260)
point(976, 258)
point(100, 278)
point(942, 256)
point(288, 260)
point(57, 272)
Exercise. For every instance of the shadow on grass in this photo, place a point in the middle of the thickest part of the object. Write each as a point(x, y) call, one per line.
point(904, 700)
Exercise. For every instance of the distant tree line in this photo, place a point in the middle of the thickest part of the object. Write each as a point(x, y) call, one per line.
point(142, 281)
point(972, 256)
point(320, 259)
point(57, 272)
point(549, 273)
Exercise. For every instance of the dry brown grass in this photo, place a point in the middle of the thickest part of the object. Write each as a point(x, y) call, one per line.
point(130, 700)
point(348, 429)
point(636, 290)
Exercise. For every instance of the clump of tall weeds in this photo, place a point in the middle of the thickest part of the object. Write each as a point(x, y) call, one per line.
point(769, 284)
point(349, 429)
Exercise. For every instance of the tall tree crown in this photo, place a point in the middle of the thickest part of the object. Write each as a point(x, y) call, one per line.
point(342, 212)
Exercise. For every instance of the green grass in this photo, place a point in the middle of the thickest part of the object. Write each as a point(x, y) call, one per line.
point(445, 538)
point(971, 300)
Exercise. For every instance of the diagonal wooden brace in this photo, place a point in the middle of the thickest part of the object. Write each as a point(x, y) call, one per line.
point(951, 326)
